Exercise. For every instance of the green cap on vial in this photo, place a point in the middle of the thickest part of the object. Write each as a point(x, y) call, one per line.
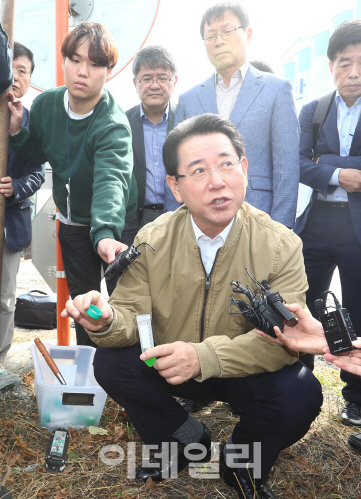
point(150, 362)
point(94, 312)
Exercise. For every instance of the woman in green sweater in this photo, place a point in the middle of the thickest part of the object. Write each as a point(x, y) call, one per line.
point(86, 138)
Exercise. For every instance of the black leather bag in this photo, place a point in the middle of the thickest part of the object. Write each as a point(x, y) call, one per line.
point(35, 312)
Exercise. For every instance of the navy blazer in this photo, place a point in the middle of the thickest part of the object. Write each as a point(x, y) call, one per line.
point(265, 116)
point(27, 179)
point(318, 175)
point(139, 168)
point(6, 69)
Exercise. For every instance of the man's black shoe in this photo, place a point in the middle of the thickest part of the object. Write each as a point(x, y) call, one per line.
point(193, 406)
point(244, 490)
point(179, 461)
point(351, 414)
point(355, 441)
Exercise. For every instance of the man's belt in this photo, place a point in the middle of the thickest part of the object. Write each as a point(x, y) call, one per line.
point(154, 207)
point(334, 204)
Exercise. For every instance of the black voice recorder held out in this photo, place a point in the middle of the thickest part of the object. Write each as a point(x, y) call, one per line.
point(337, 325)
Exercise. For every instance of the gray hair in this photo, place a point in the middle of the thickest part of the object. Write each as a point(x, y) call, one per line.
point(217, 11)
point(153, 57)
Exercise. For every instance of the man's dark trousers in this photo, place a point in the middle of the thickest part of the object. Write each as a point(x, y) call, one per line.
point(277, 408)
point(82, 267)
point(329, 240)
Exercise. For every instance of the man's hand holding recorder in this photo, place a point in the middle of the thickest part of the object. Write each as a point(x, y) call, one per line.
point(308, 337)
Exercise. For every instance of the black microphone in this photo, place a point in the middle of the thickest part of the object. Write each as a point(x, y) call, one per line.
point(123, 260)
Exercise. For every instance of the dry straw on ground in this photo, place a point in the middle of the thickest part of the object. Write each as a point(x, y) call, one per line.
point(320, 466)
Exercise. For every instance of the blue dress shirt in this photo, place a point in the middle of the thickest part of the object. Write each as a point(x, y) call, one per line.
point(154, 138)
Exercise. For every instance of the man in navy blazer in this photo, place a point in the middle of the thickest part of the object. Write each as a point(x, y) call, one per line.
point(330, 227)
point(259, 104)
point(22, 181)
point(154, 79)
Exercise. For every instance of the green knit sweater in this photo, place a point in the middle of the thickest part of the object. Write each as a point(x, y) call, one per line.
point(102, 190)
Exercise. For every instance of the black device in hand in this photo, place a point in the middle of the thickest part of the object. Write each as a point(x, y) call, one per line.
point(123, 260)
point(337, 325)
point(265, 309)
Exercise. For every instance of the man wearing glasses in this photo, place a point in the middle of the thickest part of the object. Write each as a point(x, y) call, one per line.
point(259, 104)
point(22, 181)
point(154, 79)
point(202, 351)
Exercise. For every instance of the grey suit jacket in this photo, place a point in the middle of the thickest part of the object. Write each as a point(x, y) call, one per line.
point(139, 169)
point(265, 115)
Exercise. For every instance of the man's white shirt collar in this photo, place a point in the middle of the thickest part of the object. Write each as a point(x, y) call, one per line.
point(222, 235)
point(339, 100)
point(240, 73)
point(209, 247)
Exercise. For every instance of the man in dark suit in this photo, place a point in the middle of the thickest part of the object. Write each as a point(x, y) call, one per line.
point(330, 227)
point(22, 181)
point(154, 79)
point(6, 73)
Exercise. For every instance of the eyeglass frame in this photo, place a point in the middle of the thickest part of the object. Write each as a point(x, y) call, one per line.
point(216, 35)
point(152, 80)
point(177, 176)
point(26, 73)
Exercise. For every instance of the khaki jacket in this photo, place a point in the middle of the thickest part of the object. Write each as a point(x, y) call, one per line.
point(170, 284)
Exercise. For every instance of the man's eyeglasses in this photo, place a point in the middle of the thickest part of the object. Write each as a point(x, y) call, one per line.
point(161, 80)
point(225, 34)
point(200, 174)
point(22, 73)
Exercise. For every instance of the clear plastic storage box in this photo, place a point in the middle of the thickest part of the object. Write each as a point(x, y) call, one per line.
point(77, 404)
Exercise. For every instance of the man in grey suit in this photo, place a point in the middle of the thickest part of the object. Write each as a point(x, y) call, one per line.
point(154, 79)
point(258, 103)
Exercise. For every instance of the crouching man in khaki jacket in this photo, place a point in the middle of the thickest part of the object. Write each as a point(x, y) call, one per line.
point(202, 351)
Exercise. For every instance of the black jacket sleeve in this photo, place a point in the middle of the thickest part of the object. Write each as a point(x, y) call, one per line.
point(6, 69)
